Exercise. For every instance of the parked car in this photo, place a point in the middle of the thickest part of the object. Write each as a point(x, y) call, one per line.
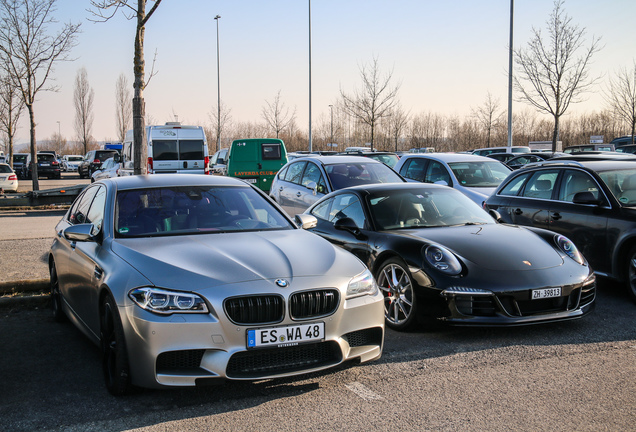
point(109, 169)
point(218, 162)
point(303, 181)
point(436, 253)
point(8, 178)
point(621, 141)
point(93, 161)
point(48, 166)
point(256, 160)
point(591, 202)
point(475, 176)
point(596, 155)
point(186, 279)
point(513, 149)
point(388, 158)
point(19, 160)
point(518, 161)
point(71, 162)
point(628, 148)
point(503, 157)
point(588, 147)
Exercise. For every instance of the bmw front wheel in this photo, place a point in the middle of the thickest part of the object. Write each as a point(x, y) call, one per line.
point(631, 274)
point(114, 353)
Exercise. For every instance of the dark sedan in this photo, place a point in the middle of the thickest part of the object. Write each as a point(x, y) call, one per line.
point(434, 252)
point(592, 202)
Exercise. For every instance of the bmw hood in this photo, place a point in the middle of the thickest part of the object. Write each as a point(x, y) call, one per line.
point(496, 247)
point(220, 259)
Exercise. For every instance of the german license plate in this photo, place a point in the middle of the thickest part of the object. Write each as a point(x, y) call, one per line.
point(250, 180)
point(546, 293)
point(283, 336)
point(45, 164)
point(3, 178)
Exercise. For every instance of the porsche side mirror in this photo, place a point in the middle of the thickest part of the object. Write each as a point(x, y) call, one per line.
point(347, 224)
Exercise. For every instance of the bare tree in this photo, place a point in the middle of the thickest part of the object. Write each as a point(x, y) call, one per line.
point(397, 122)
point(551, 77)
point(11, 107)
point(374, 101)
point(488, 116)
point(621, 96)
point(29, 53)
point(220, 123)
point(83, 98)
point(123, 106)
point(105, 10)
point(277, 116)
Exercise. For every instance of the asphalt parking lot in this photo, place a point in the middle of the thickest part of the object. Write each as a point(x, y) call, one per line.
point(576, 375)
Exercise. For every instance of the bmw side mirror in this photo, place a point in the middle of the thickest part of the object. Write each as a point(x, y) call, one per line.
point(81, 232)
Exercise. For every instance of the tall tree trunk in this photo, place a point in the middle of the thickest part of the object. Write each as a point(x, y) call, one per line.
point(555, 133)
point(139, 148)
point(34, 158)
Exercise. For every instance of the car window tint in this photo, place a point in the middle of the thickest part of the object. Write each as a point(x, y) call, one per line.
point(191, 149)
point(344, 175)
point(541, 184)
point(575, 181)
point(622, 183)
point(414, 169)
point(514, 186)
point(347, 206)
point(294, 172)
point(96, 211)
point(5, 169)
point(312, 174)
point(271, 151)
point(480, 174)
point(435, 172)
point(164, 150)
point(79, 214)
point(282, 172)
point(321, 211)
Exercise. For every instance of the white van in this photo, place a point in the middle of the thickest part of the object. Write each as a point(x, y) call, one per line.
point(172, 148)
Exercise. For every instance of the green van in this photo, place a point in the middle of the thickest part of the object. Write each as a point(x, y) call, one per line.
point(256, 160)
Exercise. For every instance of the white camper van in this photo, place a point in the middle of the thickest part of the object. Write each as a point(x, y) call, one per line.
point(172, 148)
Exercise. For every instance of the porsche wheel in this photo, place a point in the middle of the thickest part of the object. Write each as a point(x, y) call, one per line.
point(400, 302)
point(114, 353)
point(631, 274)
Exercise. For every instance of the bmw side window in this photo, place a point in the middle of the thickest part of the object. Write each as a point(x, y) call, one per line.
point(295, 172)
point(96, 212)
point(347, 206)
point(541, 185)
point(514, 186)
point(574, 182)
point(321, 211)
point(80, 213)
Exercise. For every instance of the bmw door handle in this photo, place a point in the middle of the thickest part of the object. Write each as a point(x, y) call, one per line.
point(518, 212)
point(556, 216)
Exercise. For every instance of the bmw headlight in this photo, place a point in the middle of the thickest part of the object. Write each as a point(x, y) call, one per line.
point(566, 245)
point(362, 284)
point(166, 302)
point(443, 260)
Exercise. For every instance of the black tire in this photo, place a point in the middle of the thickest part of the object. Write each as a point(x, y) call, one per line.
point(56, 297)
point(114, 353)
point(398, 287)
point(630, 280)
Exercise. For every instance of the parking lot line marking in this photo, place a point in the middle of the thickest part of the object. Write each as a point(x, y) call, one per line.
point(363, 392)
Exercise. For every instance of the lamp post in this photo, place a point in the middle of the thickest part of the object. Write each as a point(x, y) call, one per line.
point(310, 143)
point(331, 108)
point(218, 75)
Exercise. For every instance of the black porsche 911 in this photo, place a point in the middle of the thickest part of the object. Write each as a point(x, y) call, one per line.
point(435, 253)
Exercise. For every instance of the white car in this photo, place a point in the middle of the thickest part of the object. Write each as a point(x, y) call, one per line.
point(8, 178)
point(109, 169)
point(71, 162)
point(475, 176)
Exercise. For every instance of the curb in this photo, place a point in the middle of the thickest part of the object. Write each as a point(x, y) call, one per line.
point(27, 285)
point(24, 293)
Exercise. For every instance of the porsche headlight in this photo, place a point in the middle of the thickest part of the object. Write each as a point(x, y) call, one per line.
point(166, 302)
point(566, 245)
point(362, 284)
point(443, 260)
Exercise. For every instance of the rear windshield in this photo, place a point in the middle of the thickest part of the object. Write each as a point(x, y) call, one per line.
point(103, 155)
point(344, 175)
point(19, 158)
point(5, 169)
point(46, 157)
point(167, 150)
point(271, 151)
point(75, 158)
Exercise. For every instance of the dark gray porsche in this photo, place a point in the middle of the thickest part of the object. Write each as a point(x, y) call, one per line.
point(435, 253)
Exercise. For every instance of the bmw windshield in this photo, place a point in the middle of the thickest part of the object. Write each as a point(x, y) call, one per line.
point(194, 209)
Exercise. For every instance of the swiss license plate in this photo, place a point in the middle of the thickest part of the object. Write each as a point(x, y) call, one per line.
point(250, 180)
point(283, 336)
point(546, 293)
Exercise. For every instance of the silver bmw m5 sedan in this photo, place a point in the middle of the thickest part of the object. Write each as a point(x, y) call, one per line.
point(183, 280)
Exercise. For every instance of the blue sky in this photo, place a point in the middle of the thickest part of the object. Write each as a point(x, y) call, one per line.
point(446, 55)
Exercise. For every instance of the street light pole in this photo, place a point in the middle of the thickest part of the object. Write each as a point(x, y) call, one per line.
point(310, 143)
point(218, 75)
point(331, 108)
